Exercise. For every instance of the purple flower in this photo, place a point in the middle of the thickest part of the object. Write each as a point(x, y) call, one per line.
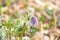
point(33, 21)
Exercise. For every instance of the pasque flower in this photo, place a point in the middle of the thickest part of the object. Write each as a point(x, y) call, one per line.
point(33, 21)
